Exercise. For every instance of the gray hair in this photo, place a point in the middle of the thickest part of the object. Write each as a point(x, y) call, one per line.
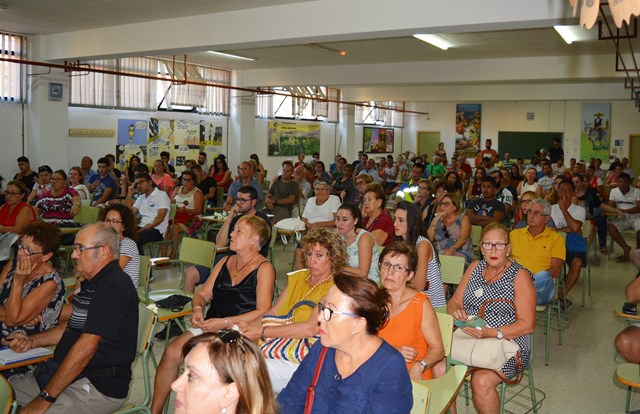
point(321, 181)
point(543, 203)
point(106, 236)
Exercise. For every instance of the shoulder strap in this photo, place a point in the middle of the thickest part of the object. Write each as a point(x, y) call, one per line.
point(311, 391)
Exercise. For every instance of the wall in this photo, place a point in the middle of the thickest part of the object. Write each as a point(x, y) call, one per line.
point(11, 139)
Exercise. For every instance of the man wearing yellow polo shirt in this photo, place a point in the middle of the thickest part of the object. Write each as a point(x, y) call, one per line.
point(539, 249)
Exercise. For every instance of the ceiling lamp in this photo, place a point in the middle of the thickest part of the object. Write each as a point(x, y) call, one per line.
point(326, 49)
point(228, 55)
point(434, 40)
point(567, 33)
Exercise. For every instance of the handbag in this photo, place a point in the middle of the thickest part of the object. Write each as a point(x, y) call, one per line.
point(287, 349)
point(173, 302)
point(488, 353)
point(291, 224)
point(311, 391)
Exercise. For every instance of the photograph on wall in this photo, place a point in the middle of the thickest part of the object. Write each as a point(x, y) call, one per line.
point(210, 134)
point(468, 127)
point(288, 138)
point(595, 130)
point(377, 140)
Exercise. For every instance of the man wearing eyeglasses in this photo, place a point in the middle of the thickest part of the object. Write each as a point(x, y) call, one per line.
point(244, 171)
point(539, 249)
point(90, 371)
point(153, 206)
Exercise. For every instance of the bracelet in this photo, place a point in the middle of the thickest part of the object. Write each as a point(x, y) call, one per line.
point(262, 337)
point(198, 307)
point(226, 323)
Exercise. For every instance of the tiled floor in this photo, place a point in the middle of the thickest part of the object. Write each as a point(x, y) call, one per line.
point(580, 377)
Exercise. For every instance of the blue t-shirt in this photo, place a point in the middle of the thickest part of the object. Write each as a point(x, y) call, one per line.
point(104, 183)
point(380, 385)
point(237, 184)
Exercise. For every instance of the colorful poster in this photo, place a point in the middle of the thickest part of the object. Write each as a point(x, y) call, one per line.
point(161, 131)
point(210, 134)
point(292, 138)
point(132, 137)
point(186, 132)
point(595, 130)
point(181, 153)
point(468, 126)
point(377, 140)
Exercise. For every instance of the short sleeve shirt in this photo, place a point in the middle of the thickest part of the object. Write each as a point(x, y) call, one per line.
point(626, 201)
point(103, 183)
point(576, 212)
point(149, 206)
point(315, 213)
point(484, 207)
point(237, 184)
point(535, 253)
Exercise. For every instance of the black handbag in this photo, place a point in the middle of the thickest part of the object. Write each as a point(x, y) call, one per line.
point(173, 302)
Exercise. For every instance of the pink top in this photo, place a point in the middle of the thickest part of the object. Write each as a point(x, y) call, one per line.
point(165, 183)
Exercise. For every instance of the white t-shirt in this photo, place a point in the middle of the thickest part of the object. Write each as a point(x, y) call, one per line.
point(149, 206)
point(315, 213)
point(546, 182)
point(626, 201)
point(575, 211)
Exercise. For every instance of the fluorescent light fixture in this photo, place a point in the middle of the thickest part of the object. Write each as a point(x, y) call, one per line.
point(567, 33)
point(228, 55)
point(434, 40)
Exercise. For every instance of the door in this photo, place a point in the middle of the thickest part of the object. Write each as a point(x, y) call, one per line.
point(427, 143)
point(634, 154)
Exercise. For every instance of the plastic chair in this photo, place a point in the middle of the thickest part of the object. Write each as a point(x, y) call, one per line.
point(445, 322)
point(452, 269)
point(146, 325)
point(86, 215)
point(143, 278)
point(629, 375)
point(167, 240)
point(443, 390)
point(421, 398)
point(586, 269)
point(8, 405)
point(476, 232)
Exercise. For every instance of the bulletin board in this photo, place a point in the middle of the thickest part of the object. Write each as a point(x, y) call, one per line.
point(525, 144)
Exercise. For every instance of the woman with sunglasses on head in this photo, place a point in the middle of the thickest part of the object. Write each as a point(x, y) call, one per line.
point(413, 326)
point(76, 181)
point(451, 230)
point(31, 291)
point(361, 182)
point(121, 218)
point(513, 316)
point(358, 371)
point(407, 227)
point(224, 374)
point(362, 249)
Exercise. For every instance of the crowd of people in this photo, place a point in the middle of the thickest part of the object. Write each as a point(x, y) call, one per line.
point(360, 306)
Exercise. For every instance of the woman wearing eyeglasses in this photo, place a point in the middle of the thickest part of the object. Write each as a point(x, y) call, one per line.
point(31, 291)
point(59, 204)
point(451, 230)
point(189, 202)
point(525, 200)
point(512, 317)
point(224, 373)
point(361, 182)
point(413, 326)
point(358, 371)
point(121, 218)
point(427, 278)
point(15, 213)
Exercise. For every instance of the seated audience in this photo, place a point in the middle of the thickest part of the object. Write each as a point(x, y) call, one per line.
point(60, 204)
point(361, 182)
point(102, 186)
point(530, 183)
point(591, 201)
point(324, 255)
point(496, 277)
point(89, 174)
point(362, 249)
point(161, 177)
point(189, 203)
point(76, 181)
point(427, 278)
point(121, 218)
point(475, 186)
point(153, 206)
point(408, 191)
point(232, 377)
point(42, 185)
point(451, 230)
point(377, 219)
point(624, 201)
point(521, 216)
point(26, 175)
point(413, 326)
point(547, 179)
point(361, 372)
point(486, 210)
point(245, 179)
point(239, 289)
point(283, 194)
point(30, 288)
point(207, 186)
point(15, 213)
point(344, 186)
point(221, 173)
point(540, 249)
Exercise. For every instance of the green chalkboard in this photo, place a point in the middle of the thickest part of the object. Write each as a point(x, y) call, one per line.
point(524, 144)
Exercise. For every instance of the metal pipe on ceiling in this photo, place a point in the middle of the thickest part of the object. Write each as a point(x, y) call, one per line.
point(84, 67)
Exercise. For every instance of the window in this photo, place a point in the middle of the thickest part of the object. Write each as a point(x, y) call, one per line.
point(381, 114)
point(299, 102)
point(12, 74)
point(129, 92)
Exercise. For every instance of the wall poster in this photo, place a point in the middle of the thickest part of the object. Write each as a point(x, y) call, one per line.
point(468, 127)
point(377, 140)
point(595, 130)
point(289, 138)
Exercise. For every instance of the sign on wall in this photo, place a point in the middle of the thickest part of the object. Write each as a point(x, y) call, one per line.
point(468, 128)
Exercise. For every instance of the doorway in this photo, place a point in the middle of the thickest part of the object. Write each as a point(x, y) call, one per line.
point(428, 142)
point(634, 153)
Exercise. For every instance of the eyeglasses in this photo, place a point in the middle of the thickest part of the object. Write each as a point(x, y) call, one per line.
point(11, 193)
point(444, 203)
point(27, 250)
point(398, 268)
point(112, 221)
point(499, 246)
point(187, 179)
point(536, 213)
point(243, 200)
point(526, 201)
point(79, 249)
point(423, 187)
point(328, 313)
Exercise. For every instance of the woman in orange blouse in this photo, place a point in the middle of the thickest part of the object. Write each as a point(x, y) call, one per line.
point(413, 326)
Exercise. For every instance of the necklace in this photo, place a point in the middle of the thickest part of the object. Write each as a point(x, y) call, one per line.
point(315, 286)
point(493, 277)
point(243, 266)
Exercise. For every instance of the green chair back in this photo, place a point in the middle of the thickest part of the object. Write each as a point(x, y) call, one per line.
point(443, 390)
point(87, 215)
point(451, 269)
point(219, 197)
point(445, 321)
point(476, 231)
point(420, 398)
point(197, 251)
point(7, 404)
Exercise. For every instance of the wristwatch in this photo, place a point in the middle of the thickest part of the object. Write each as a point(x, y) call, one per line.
point(500, 335)
point(45, 396)
point(424, 365)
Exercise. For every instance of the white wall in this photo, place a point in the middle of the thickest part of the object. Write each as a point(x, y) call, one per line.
point(10, 139)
